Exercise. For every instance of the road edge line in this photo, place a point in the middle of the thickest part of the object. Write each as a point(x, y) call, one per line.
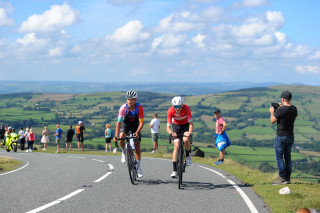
point(241, 192)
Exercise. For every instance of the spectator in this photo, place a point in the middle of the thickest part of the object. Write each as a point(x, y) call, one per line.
point(79, 133)
point(222, 140)
point(155, 126)
point(22, 139)
point(26, 138)
point(45, 138)
point(31, 138)
point(285, 116)
point(58, 135)
point(70, 134)
point(108, 135)
point(2, 133)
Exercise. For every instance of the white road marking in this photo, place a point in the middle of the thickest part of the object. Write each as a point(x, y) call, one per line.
point(241, 192)
point(76, 157)
point(98, 160)
point(103, 177)
point(15, 169)
point(56, 201)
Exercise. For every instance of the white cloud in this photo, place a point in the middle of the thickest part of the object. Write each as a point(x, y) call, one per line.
point(55, 19)
point(308, 69)
point(315, 55)
point(180, 22)
point(131, 32)
point(56, 51)
point(251, 3)
point(4, 19)
point(213, 13)
point(169, 44)
point(30, 39)
point(198, 40)
point(121, 2)
point(275, 19)
point(203, 1)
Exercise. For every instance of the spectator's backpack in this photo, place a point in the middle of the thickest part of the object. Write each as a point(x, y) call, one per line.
point(78, 130)
point(198, 152)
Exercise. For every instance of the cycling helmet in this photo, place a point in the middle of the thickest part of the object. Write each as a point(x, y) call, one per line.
point(80, 122)
point(132, 94)
point(176, 101)
point(10, 128)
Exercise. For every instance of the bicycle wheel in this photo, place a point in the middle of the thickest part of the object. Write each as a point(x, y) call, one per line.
point(180, 165)
point(130, 165)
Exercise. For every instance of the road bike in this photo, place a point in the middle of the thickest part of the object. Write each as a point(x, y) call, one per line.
point(181, 158)
point(131, 158)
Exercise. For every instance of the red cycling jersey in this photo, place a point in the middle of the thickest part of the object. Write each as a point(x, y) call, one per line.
point(184, 117)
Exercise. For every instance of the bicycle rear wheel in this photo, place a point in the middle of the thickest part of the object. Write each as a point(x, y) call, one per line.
point(131, 165)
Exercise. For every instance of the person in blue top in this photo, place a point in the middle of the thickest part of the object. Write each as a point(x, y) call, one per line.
point(58, 135)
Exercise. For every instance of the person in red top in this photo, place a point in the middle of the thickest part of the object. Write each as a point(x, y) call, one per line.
point(179, 116)
point(130, 119)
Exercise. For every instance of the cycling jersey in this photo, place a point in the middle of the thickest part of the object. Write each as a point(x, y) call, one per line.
point(128, 116)
point(183, 118)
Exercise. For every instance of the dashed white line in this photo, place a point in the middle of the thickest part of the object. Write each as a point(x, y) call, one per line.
point(76, 157)
point(98, 160)
point(241, 192)
point(56, 201)
point(103, 177)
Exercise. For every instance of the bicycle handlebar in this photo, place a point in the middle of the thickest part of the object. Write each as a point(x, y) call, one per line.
point(180, 137)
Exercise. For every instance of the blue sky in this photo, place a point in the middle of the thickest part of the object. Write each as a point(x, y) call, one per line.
point(160, 41)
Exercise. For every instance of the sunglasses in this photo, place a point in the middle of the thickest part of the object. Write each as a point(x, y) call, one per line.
point(177, 106)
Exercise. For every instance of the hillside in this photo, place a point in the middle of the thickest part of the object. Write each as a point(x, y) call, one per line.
point(246, 112)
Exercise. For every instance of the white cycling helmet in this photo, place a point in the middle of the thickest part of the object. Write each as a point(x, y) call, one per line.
point(80, 122)
point(132, 94)
point(176, 101)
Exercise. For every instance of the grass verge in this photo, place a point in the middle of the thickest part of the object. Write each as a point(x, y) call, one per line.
point(7, 164)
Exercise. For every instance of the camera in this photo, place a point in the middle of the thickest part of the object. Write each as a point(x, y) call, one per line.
point(275, 105)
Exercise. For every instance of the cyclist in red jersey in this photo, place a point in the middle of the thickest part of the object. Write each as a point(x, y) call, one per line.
point(130, 119)
point(179, 116)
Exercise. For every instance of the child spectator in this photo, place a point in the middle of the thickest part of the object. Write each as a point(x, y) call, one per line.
point(31, 137)
point(222, 140)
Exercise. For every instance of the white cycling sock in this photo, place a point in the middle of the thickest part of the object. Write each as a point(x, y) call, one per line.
point(138, 164)
point(123, 151)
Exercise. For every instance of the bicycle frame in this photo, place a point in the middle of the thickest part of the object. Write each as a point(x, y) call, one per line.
point(130, 158)
point(181, 159)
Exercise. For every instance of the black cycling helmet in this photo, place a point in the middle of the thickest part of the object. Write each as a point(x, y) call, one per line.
point(132, 94)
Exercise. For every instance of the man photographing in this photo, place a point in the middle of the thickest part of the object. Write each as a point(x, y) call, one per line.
point(285, 116)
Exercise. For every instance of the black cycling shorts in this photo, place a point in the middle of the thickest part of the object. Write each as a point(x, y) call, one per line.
point(108, 140)
point(180, 129)
point(126, 128)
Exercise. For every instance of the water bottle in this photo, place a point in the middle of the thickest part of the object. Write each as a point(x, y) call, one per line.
point(131, 141)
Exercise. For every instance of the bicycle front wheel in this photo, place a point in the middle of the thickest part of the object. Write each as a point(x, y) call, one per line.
point(131, 165)
point(180, 166)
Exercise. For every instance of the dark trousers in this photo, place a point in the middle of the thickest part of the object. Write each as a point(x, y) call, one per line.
point(282, 147)
point(30, 145)
point(22, 143)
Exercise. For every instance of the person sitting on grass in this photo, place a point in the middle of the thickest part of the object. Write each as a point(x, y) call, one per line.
point(222, 140)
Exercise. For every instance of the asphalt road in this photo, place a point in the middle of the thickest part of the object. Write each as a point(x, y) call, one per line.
point(100, 183)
